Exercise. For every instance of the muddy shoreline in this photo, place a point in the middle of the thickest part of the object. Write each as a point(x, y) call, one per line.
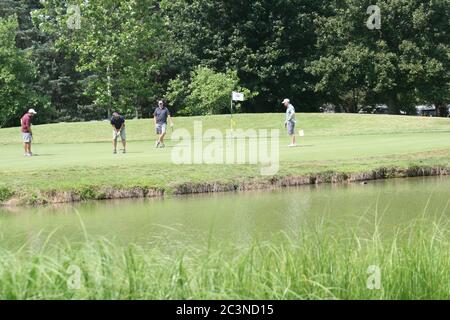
point(276, 182)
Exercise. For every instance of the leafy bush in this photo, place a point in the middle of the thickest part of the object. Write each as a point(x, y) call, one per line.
point(206, 93)
point(88, 193)
point(5, 194)
point(178, 93)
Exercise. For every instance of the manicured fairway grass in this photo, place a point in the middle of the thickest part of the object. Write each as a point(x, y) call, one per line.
point(78, 155)
point(313, 263)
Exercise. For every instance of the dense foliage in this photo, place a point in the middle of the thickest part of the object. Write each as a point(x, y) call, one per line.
point(80, 60)
point(206, 92)
point(16, 74)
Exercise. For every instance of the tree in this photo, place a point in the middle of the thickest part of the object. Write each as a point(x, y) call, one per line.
point(16, 73)
point(56, 81)
point(26, 34)
point(207, 92)
point(425, 55)
point(119, 45)
point(401, 64)
point(268, 43)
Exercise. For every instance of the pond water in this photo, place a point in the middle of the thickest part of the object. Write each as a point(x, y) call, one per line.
point(236, 218)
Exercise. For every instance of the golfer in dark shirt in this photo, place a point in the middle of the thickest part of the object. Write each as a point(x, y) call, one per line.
point(161, 116)
point(118, 124)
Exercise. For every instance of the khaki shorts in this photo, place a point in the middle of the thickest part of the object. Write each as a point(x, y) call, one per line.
point(161, 128)
point(27, 137)
point(123, 135)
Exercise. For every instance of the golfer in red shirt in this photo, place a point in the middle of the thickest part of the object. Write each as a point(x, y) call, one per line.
point(27, 134)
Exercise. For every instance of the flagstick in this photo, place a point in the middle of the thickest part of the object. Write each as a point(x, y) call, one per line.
point(231, 116)
point(235, 96)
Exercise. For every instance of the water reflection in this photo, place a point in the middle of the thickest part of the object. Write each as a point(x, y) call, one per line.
point(238, 218)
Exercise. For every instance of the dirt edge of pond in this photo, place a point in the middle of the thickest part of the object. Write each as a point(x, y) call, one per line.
point(275, 182)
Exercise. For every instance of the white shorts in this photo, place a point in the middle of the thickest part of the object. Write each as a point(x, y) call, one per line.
point(27, 137)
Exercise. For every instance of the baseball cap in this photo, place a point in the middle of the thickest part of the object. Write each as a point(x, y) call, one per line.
point(32, 111)
point(286, 101)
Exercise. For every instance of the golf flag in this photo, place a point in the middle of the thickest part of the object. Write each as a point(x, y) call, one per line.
point(237, 96)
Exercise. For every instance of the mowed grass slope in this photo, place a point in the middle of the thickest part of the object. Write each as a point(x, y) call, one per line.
point(78, 155)
point(314, 124)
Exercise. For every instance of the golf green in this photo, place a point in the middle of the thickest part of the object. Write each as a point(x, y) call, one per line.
point(73, 156)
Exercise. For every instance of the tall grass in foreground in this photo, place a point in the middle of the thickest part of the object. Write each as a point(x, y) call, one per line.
point(414, 264)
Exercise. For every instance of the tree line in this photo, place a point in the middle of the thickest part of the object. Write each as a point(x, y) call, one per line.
point(80, 60)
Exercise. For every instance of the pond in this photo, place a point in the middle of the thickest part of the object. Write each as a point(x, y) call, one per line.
point(236, 218)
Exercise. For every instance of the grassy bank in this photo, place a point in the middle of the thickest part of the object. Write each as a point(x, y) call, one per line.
point(413, 264)
point(75, 160)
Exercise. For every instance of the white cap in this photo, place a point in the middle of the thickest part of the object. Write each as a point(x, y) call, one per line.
point(286, 101)
point(32, 111)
